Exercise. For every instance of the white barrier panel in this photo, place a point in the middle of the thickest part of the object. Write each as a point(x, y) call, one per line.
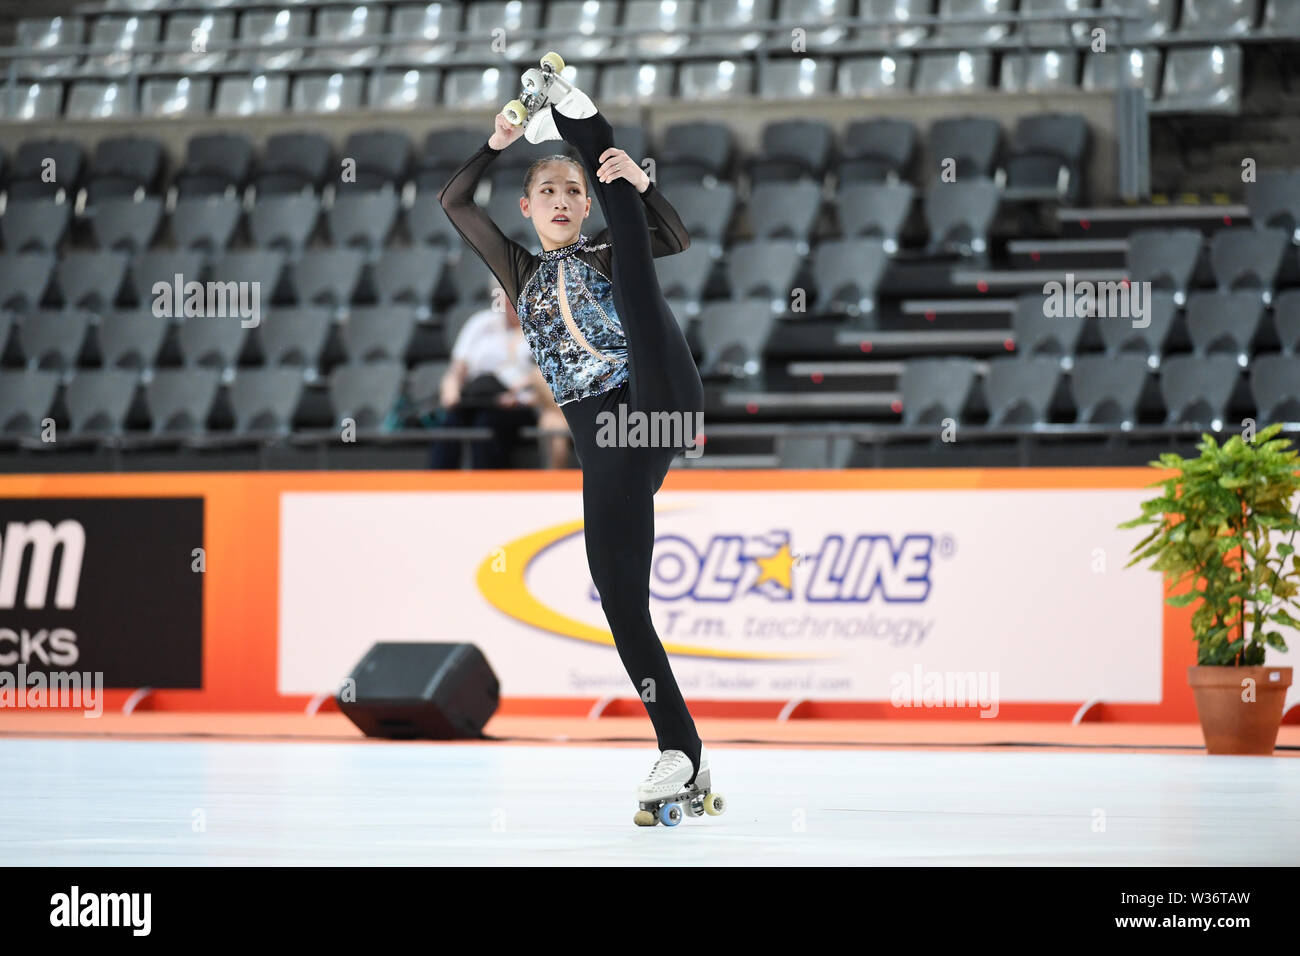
point(1018, 596)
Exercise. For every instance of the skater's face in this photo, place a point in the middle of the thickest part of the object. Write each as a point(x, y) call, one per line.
point(557, 204)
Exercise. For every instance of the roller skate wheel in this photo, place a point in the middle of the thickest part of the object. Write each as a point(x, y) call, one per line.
point(515, 112)
point(554, 61)
point(644, 818)
point(670, 814)
point(533, 81)
point(714, 804)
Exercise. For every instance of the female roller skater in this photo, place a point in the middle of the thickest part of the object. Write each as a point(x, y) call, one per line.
point(603, 336)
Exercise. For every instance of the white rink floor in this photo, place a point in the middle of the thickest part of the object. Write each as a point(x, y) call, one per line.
point(83, 802)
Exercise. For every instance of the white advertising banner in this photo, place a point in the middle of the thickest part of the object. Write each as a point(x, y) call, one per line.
point(877, 595)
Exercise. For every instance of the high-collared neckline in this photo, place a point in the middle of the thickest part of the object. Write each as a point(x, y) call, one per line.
point(565, 251)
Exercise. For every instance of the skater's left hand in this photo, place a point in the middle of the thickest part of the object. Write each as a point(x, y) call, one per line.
point(617, 164)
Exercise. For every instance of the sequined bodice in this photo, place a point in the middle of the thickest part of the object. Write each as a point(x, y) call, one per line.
point(568, 315)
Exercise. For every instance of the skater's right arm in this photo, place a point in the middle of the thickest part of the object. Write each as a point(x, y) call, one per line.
point(502, 255)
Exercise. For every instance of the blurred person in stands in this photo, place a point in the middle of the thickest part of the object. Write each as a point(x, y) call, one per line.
point(493, 382)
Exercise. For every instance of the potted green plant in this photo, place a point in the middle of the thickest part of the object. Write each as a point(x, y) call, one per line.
point(1214, 525)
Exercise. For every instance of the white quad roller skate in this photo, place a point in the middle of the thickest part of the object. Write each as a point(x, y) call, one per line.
point(543, 89)
point(665, 797)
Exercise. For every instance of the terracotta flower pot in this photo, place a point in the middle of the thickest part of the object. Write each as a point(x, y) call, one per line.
point(1232, 725)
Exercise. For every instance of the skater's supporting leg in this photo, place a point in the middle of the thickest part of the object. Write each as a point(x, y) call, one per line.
point(661, 372)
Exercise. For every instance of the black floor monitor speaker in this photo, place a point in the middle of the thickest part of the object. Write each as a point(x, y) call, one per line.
point(411, 691)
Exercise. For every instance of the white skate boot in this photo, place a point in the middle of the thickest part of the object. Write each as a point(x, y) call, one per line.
point(664, 795)
point(544, 89)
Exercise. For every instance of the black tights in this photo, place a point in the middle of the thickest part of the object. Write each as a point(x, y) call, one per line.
point(619, 480)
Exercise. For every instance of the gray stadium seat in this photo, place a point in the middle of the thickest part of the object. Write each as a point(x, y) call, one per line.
point(793, 149)
point(847, 272)
point(122, 223)
point(211, 341)
point(1107, 388)
point(365, 392)
point(205, 223)
point(183, 96)
point(350, 24)
point(899, 13)
point(1164, 257)
point(878, 150)
point(90, 279)
point(1275, 387)
point(974, 142)
point(959, 215)
point(763, 267)
point(214, 163)
point(700, 145)
point(956, 72)
point(252, 96)
point(1274, 200)
point(1202, 79)
point(503, 207)
point(1155, 19)
point(792, 78)
point(292, 162)
point(427, 222)
point(1058, 33)
point(1150, 338)
point(131, 338)
point(382, 156)
point(98, 400)
point(378, 333)
point(180, 400)
point(284, 221)
point(362, 218)
point(727, 13)
point(1040, 71)
point(261, 266)
point(124, 165)
point(26, 398)
point(716, 80)
point(1218, 19)
point(1286, 320)
point(1225, 323)
point(1048, 151)
point(666, 20)
point(53, 339)
point(1124, 67)
point(24, 277)
point(579, 18)
point(1037, 333)
point(498, 18)
point(644, 83)
point(34, 225)
point(294, 336)
point(1197, 390)
point(263, 400)
point(809, 451)
point(874, 209)
point(779, 210)
point(99, 99)
point(733, 335)
point(409, 275)
point(974, 33)
point(48, 35)
point(476, 87)
point(685, 275)
point(400, 88)
point(206, 34)
point(124, 34)
point(327, 276)
point(934, 389)
point(821, 35)
point(326, 92)
point(32, 101)
point(270, 28)
point(162, 265)
point(1020, 390)
point(875, 74)
point(1281, 18)
point(432, 29)
point(705, 211)
point(1248, 258)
